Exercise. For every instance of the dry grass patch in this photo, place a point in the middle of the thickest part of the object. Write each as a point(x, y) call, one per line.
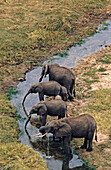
point(96, 103)
point(18, 156)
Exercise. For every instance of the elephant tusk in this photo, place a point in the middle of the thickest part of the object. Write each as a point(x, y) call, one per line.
point(37, 134)
point(42, 135)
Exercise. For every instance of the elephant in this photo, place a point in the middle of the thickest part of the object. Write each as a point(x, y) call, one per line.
point(51, 88)
point(52, 108)
point(62, 75)
point(82, 126)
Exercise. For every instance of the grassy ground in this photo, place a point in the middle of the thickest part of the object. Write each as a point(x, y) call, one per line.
point(31, 32)
point(95, 100)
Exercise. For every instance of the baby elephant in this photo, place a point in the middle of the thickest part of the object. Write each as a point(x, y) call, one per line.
point(82, 126)
point(51, 88)
point(52, 108)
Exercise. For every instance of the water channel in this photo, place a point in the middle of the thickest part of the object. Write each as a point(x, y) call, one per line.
point(49, 150)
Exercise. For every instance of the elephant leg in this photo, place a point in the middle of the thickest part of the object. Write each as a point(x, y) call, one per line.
point(50, 78)
point(74, 92)
point(71, 89)
point(59, 116)
point(68, 87)
point(69, 93)
point(84, 146)
point(62, 115)
point(90, 138)
point(70, 96)
point(44, 120)
point(89, 149)
point(41, 96)
point(66, 143)
point(53, 138)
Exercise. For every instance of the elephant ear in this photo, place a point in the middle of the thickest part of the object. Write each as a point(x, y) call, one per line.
point(63, 130)
point(42, 109)
point(38, 88)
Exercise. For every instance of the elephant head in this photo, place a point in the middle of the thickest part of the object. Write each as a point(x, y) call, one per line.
point(64, 93)
point(39, 109)
point(57, 128)
point(45, 69)
point(33, 89)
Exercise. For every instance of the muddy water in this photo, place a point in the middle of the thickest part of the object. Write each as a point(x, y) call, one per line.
point(50, 151)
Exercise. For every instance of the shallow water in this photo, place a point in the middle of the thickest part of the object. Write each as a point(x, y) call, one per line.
point(54, 157)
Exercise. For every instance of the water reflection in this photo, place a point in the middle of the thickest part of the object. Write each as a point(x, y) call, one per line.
point(53, 153)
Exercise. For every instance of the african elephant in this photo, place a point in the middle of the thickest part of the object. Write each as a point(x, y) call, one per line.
point(52, 108)
point(62, 75)
point(51, 88)
point(82, 126)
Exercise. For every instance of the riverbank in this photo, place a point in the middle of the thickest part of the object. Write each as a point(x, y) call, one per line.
point(93, 88)
point(22, 49)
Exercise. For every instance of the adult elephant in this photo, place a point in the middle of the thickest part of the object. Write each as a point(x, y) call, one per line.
point(51, 88)
point(82, 126)
point(51, 108)
point(62, 75)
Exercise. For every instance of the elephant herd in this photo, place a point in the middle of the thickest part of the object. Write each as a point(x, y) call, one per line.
point(61, 85)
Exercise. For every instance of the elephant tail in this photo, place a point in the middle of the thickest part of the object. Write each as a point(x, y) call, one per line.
point(66, 112)
point(96, 135)
point(73, 86)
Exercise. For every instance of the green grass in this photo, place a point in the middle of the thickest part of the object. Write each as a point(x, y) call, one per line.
point(101, 69)
point(91, 73)
point(100, 108)
point(80, 42)
point(12, 91)
point(13, 154)
point(64, 54)
point(90, 81)
point(104, 26)
point(18, 156)
point(106, 59)
point(34, 30)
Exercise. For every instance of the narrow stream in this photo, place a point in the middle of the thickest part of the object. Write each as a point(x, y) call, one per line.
point(49, 150)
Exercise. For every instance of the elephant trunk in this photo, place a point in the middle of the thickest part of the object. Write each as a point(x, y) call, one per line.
point(27, 121)
point(42, 130)
point(25, 98)
point(25, 111)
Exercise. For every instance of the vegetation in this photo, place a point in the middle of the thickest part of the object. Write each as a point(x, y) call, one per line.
point(95, 102)
point(35, 30)
point(31, 32)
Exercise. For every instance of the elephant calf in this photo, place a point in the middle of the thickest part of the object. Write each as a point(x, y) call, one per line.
point(52, 108)
point(51, 88)
point(82, 126)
